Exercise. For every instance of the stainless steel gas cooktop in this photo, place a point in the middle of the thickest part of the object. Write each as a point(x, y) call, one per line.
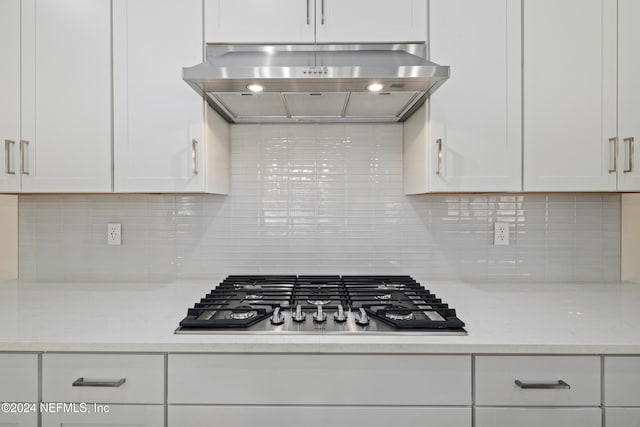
point(321, 305)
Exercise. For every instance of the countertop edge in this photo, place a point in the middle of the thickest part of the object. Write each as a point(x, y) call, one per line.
point(303, 348)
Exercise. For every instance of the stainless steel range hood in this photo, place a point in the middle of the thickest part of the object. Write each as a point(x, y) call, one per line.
point(315, 83)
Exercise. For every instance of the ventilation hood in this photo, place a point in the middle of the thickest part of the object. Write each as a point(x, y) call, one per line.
point(315, 83)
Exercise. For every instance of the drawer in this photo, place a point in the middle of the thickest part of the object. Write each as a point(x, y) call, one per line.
point(496, 378)
point(143, 378)
point(18, 420)
point(622, 381)
point(117, 415)
point(18, 377)
point(538, 417)
point(319, 379)
point(265, 416)
point(622, 417)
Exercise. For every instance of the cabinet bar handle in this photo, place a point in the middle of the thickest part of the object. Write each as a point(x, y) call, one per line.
point(7, 156)
point(439, 170)
point(194, 156)
point(308, 16)
point(631, 144)
point(560, 385)
point(322, 12)
point(23, 143)
point(614, 141)
point(81, 382)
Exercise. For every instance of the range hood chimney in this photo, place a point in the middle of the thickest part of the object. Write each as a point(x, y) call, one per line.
point(315, 83)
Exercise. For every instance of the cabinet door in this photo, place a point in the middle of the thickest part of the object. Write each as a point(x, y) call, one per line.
point(19, 420)
point(622, 417)
point(628, 94)
point(251, 378)
point(259, 21)
point(569, 95)
point(363, 21)
point(18, 378)
point(104, 415)
point(133, 378)
point(159, 119)
point(622, 381)
point(66, 95)
point(497, 377)
point(537, 417)
point(9, 94)
point(475, 136)
point(272, 416)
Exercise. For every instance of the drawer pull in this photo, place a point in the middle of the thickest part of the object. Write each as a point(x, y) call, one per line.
point(560, 385)
point(81, 382)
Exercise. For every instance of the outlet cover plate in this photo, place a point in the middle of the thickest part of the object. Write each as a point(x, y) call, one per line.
point(501, 234)
point(114, 234)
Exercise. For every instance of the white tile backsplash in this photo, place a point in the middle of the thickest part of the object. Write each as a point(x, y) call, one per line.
point(320, 199)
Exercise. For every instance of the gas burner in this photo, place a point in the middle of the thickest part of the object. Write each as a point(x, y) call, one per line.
point(253, 297)
point(399, 314)
point(318, 301)
point(243, 315)
point(383, 297)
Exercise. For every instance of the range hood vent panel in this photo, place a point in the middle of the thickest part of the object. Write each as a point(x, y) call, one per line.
point(386, 104)
point(316, 83)
point(327, 104)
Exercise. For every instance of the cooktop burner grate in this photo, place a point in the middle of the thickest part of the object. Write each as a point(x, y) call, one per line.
point(321, 304)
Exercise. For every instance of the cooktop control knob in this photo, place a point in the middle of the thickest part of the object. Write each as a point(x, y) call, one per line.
point(339, 315)
point(277, 318)
point(319, 315)
point(362, 319)
point(298, 315)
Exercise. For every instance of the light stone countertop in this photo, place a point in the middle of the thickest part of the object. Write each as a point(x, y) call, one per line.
point(559, 318)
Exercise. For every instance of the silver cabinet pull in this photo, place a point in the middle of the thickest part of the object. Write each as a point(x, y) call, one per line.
point(560, 385)
point(194, 156)
point(439, 170)
point(23, 144)
point(81, 382)
point(7, 156)
point(308, 16)
point(630, 156)
point(322, 12)
point(614, 141)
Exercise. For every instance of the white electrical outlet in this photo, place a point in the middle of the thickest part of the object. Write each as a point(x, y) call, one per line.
point(501, 233)
point(114, 234)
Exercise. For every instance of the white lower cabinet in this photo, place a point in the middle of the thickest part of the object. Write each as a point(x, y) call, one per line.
point(108, 416)
point(622, 381)
point(534, 391)
point(316, 379)
point(538, 417)
point(316, 390)
point(320, 416)
point(622, 417)
point(107, 389)
point(537, 380)
point(622, 391)
point(18, 385)
point(19, 420)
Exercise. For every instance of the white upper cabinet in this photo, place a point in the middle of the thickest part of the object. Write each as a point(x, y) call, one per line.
point(628, 94)
point(66, 96)
point(473, 142)
point(354, 21)
point(315, 21)
point(9, 95)
point(570, 95)
point(159, 121)
point(259, 21)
